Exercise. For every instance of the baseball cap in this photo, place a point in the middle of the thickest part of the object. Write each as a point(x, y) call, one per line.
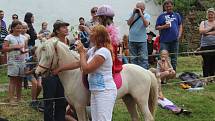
point(59, 24)
point(105, 10)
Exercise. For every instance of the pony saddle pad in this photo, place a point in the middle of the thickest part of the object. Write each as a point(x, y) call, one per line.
point(117, 79)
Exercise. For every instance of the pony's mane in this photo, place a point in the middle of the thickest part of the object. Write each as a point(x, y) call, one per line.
point(66, 49)
point(48, 46)
point(44, 47)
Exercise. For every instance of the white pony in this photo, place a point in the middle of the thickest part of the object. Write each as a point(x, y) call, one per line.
point(139, 86)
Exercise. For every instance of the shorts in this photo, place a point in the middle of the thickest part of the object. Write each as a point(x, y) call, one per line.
point(16, 69)
point(32, 77)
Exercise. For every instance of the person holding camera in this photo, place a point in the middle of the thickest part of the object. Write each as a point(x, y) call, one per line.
point(138, 22)
point(83, 35)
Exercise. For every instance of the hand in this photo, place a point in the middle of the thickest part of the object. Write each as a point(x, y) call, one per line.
point(56, 71)
point(18, 47)
point(23, 50)
point(161, 97)
point(154, 52)
point(140, 12)
point(134, 11)
point(81, 27)
point(80, 47)
point(167, 25)
point(137, 10)
point(171, 71)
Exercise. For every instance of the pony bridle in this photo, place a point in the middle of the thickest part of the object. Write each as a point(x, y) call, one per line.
point(49, 69)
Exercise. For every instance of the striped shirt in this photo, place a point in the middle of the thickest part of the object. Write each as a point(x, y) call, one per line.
point(3, 31)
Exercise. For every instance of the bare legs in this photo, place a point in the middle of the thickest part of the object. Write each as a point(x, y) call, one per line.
point(15, 88)
point(36, 88)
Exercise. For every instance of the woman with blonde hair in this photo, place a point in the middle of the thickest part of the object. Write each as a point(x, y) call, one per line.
point(207, 29)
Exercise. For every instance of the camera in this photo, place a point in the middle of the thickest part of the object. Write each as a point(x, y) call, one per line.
point(72, 46)
point(137, 11)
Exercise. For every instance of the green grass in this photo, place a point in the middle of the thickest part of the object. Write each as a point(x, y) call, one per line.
point(22, 112)
point(191, 64)
point(201, 103)
point(3, 77)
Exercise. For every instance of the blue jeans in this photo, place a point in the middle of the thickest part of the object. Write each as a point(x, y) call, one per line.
point(139, 49)
point(124, 60)
point(171, 47)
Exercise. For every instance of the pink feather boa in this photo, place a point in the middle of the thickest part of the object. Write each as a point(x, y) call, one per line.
point(114, 34)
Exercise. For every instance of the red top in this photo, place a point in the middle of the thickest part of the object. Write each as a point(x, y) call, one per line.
point(117, 63)
point(156, 45)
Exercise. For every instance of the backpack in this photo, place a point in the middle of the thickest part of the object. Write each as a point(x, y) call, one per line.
point(191, 79)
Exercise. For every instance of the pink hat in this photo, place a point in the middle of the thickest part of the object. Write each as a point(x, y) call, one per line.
point(105, 10)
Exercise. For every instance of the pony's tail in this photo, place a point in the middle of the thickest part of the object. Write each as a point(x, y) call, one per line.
point(153, 95)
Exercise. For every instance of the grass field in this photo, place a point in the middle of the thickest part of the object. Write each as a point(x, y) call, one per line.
point(201, 103)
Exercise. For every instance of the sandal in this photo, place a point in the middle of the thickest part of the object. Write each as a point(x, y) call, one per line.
point(186, 112)
point(183, 111)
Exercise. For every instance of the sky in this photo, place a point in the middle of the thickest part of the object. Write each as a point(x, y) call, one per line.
point(71, 10)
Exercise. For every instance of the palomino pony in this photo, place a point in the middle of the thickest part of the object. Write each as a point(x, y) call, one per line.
point(139, 86)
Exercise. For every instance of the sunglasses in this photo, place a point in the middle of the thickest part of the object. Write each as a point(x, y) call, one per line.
point(15, 17)
point(93, 11)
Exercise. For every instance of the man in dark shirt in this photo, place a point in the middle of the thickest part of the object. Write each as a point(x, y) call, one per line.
point(3, 34)
point(3, 29)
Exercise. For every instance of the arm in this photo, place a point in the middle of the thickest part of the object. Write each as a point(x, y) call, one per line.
point(161, 27)
point(93, 65)
point(70, 66)
point(211, 32)
point(180, 31)
point(130, 20)
point(87, 29)
point(203, 29)
point(6, 47)
point(158, 66)
point(145, 21)
point(170, 67)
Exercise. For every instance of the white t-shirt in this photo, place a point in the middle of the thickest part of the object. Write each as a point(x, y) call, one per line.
point(15, 55)
point(101, 78)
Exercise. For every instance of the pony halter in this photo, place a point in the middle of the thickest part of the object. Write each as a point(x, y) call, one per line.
point(49, 69)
